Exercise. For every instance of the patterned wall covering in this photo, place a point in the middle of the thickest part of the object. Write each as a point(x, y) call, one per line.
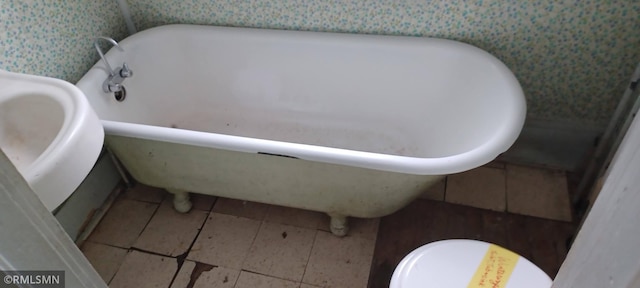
point(573, 58)
point(54, 37)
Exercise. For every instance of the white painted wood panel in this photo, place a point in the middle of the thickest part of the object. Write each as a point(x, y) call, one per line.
point(32, 239)
point(606, 252)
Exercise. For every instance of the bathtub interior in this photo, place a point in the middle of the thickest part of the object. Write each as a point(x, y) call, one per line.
point(413, 97)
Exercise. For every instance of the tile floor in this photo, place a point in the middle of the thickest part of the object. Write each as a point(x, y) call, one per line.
point(143, 242)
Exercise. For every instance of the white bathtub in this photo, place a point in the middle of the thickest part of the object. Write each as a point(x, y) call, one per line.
point(350, 125)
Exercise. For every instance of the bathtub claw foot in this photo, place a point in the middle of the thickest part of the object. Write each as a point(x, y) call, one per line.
point(181, 202)
point(339, 226)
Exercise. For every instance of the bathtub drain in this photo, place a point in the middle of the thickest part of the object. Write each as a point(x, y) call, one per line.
point(120, 95)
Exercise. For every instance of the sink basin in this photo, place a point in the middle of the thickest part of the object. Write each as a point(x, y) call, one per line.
point(49, 132)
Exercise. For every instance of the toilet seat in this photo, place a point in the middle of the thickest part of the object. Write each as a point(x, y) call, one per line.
point(453, 264)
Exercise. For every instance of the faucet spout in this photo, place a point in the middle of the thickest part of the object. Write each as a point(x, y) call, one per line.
point(113, 83)
point(104, 59)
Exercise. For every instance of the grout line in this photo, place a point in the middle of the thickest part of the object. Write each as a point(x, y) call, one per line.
point(313, 245)
point(246, 256)
point(119, 264)
point(150, 252)
point(267, 275)
point(109, 245)
point(373, 253)
point(144, 201)
point(186, 253)
point(137, 236)
point(237, 278)
point(215, 200)
point(120, 196)
point(148, 221)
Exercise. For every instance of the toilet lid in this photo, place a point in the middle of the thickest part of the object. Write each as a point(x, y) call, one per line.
point(467, 264)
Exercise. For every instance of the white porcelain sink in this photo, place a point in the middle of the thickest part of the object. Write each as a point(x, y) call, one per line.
point(49, 132)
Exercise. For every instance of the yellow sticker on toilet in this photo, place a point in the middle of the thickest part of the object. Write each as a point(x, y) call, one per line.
point(495, 269)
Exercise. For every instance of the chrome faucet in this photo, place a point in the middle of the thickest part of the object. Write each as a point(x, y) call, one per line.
point(113, 83)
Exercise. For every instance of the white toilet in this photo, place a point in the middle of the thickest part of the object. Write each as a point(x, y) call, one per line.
point(467, 264)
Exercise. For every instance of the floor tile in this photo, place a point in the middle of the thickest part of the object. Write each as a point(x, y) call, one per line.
point(170, 232)
point(294, 217)
point(543, 249)
point(202, 202)
point(199, 275)
point(123, 223)
point(518, 238)
point(280, 247)
point(339, 262)
point(224, 240)
point(494, 228)
point(537, 192)
point(364, 227)
point(435, 192)
point(252, 280)
point(246, 209)
point(104, 258)
point(145, 270)
point(145, 193)
point(481, 187)
point(281, 251)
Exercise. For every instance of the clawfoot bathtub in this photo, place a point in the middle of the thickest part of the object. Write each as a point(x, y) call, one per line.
point(350, 125)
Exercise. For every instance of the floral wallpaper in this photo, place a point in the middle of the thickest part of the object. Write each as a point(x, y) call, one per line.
point(573, 58)
point(55, 37)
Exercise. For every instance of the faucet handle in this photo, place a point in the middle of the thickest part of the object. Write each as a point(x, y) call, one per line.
point(125, 71)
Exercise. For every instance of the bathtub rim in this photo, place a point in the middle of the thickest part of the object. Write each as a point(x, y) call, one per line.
point(501, 139)
point(461, 162)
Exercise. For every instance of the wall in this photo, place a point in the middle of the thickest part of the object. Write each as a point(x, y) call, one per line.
point(55, 38)
point(573, 58)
